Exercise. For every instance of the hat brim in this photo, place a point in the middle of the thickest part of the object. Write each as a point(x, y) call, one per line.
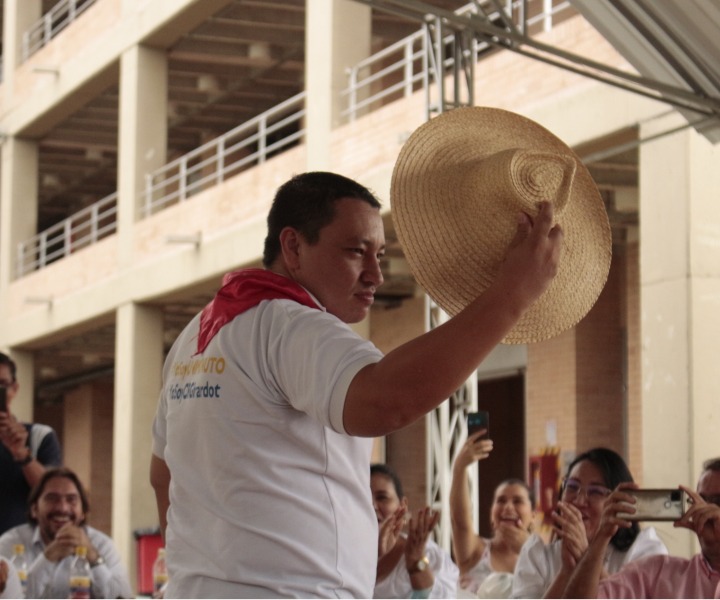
point(454, 238)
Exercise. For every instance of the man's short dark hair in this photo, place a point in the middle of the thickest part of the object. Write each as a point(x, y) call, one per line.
point(712, 464)
point(6, 360)
point(307, 203)
point(52, 473)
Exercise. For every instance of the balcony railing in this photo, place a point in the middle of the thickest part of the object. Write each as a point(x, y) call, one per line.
point(51, 24)
point(247, 145)
point(62, 239)
point(405, 67)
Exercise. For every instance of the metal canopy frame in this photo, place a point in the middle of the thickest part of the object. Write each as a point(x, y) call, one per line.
point(700, 106)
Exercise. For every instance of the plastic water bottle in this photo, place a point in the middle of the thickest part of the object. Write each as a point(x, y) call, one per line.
point(80, 579)
point(159, 571)
point(20, 563)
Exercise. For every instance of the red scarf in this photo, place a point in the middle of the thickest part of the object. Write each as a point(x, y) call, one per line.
point(240, 291)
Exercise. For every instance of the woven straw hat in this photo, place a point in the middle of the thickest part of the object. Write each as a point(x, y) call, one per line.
point(457, 187)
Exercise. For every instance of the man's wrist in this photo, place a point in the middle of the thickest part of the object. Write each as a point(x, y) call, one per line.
point(24, 460)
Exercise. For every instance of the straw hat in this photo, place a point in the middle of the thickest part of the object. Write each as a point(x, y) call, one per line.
point(457, 187)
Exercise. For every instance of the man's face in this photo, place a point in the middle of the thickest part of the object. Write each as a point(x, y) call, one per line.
point(342, 269)
point(6, 381)
point(59, 504)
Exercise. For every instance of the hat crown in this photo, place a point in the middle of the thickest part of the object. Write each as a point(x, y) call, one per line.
point(519, 180)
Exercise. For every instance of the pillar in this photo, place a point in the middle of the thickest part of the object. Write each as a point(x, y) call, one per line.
point(337, 36)
point(138, 372)
point(680, 301)
point(142, 135)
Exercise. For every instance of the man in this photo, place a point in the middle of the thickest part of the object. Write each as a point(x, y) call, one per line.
point(658, 576)
point(26, 450)
point(58, 507)
point(269, 399)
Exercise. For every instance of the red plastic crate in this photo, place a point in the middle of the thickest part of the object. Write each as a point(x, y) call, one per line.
point(148, 542)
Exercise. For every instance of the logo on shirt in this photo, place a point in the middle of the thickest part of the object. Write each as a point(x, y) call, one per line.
point(193, 390)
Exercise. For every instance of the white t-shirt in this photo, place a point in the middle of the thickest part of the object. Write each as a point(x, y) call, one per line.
point(539, 563)
point(268, 495)
point(398, 585)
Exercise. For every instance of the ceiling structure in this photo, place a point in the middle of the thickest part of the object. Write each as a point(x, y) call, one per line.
point(238, 63)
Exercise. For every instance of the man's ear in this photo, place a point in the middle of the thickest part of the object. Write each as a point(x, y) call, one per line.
point(290, 247)
point(33, 511)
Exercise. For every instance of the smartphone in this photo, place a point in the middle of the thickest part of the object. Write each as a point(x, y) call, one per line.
point(657, 505)
point(479, 420)
point(3, 399)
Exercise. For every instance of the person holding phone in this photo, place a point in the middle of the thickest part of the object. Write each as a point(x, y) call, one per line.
point(543, 570)
point(486, 564)
point(659, 576)
point(26, 450)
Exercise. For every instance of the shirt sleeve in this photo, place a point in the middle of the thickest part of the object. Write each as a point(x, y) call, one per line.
point(44, 445)
point(533, 573)
point(312, 358)
point(635, 580)
point(445, 572)
point(109, 580)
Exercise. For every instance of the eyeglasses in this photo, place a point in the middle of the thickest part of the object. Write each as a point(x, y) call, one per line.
point(593, 493)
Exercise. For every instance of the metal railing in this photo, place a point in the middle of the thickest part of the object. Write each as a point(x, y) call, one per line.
point(247, 145)
point(51, 24)
point(62, 239)
point(405, 67)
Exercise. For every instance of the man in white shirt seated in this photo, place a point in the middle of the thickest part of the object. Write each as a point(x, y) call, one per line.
point(58, 506)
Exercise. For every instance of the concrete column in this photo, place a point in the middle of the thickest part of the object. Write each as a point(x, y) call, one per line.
point(337, 36)
point(142, 135)
point(138, 372)
point(18, 17)
point(680, 300)
point(18, 202)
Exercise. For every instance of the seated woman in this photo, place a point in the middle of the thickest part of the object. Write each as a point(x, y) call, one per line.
point(410, 565)
point(544, 570)
point(486, 565)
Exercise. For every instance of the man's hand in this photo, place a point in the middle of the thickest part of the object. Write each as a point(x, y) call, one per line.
point(68, 538)
point(533, 257)
point(13, 435)
point(704, 520)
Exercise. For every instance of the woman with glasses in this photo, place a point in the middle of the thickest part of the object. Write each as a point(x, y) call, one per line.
point(543, 570)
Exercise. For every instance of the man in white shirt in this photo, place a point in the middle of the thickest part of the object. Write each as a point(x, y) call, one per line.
point(262, 438)
point(58, 507)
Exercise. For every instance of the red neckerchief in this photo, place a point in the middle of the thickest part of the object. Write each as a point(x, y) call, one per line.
point(242, 290)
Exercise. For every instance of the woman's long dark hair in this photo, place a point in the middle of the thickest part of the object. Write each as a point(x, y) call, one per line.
point(614, 472)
